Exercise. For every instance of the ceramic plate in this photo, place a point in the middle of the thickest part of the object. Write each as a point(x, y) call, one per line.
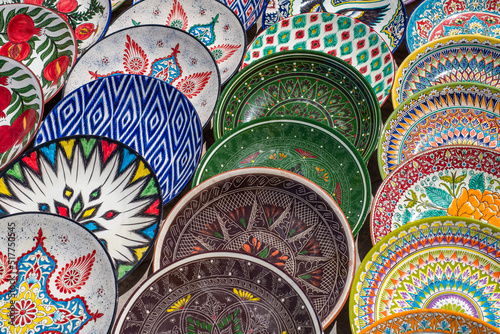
point(41, 40)
point(437, 263)
point(21, 108)
point(466, 58)
point(100, 183)
point(301, 146)
point(427, 320)
point(219, 292)
point(210, 21)
point(387, 17)
point(449, 114)
point(173, 56)
point(150, 116)
point(274, 214)
point(433, 19)
point(56, 277)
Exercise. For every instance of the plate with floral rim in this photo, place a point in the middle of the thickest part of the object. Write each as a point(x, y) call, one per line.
point(21, 108)
point(335, 34)
point(173, 56)
point(435, 263)
point(387, 17)
point(104, 185)
point(57, 277)
point(448, 114)
point(299, 145)
point(227, 291)
point(40, 39)
point(277, 215)
point(211, 21)
point(464, 58)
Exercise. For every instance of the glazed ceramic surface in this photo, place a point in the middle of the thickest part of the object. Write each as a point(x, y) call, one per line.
point(210, 21)
point(150, 116)
point(338, 35)
point(449, 114)
point(41, 40)
point(100, 183)
point(387, 17)
point(274, 214)
point(219, 292)
point(433, 19)
point(438, 263)
point(467, 58)
point(173, 56)
point(56, 277)
point(21, 108)
point(301, 146)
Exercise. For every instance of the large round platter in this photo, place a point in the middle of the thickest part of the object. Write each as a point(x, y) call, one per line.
point(465, 58)
point(449, 114)
point(274, 214)
point(335, 34)
point(40, 39)
point(387, 17)
point(142, 112)
point(21, 108)
point(56, 277)
point(434, 19)
point(102, 184)
point(437, 263)
point(210, 21)
point(219, 292)
point(307, 148)
point(162, 52)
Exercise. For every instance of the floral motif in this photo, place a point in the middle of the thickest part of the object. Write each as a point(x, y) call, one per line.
point(179, 305)
point(472, 203)
point(75, 274)
point(245, 295)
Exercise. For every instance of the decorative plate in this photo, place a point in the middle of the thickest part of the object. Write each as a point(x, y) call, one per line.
point(150, 116)
point(219, 292)
point(210, 21)
point(89, 19)
point(387, 17)
point(274, 214)
point(465, 58)
point(21, 108)
point(40, 39)
point(304, 147)
point(335, 34)
point(433, 19)
point(427, 320)
point(56, 277)
point(173, 56)
point(449, 114)
point(100, 183)
point(437, 263)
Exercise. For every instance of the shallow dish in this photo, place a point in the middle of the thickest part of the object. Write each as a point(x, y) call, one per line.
point(56, 277)
point(145, 113)
point(335, 34)
point(305, 147)
point(173, 56)
point(229, 291)
point(264, 212)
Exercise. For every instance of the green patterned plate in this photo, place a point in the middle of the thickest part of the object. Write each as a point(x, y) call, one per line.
point(307, 84)
point(305, 147)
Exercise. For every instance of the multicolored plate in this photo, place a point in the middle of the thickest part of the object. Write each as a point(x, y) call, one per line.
point(56, 277)
point(219, 292)
point(299, 145)
point(276, 215)
point(449, 114)
point(165, 53)
point(335, 34)
point(437, 263)
point(465, 58)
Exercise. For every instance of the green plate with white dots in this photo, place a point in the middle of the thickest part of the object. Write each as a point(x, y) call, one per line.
point(306, 84)
point(302, 146)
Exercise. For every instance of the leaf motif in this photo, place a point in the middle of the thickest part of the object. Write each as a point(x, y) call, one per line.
point(477, 182)
point(460, 178)
point(75, 274)
point(411, 204)
point(413, 195)
point(446, 178)
point(407, 217)
point(439, 196)
point(431, 213)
